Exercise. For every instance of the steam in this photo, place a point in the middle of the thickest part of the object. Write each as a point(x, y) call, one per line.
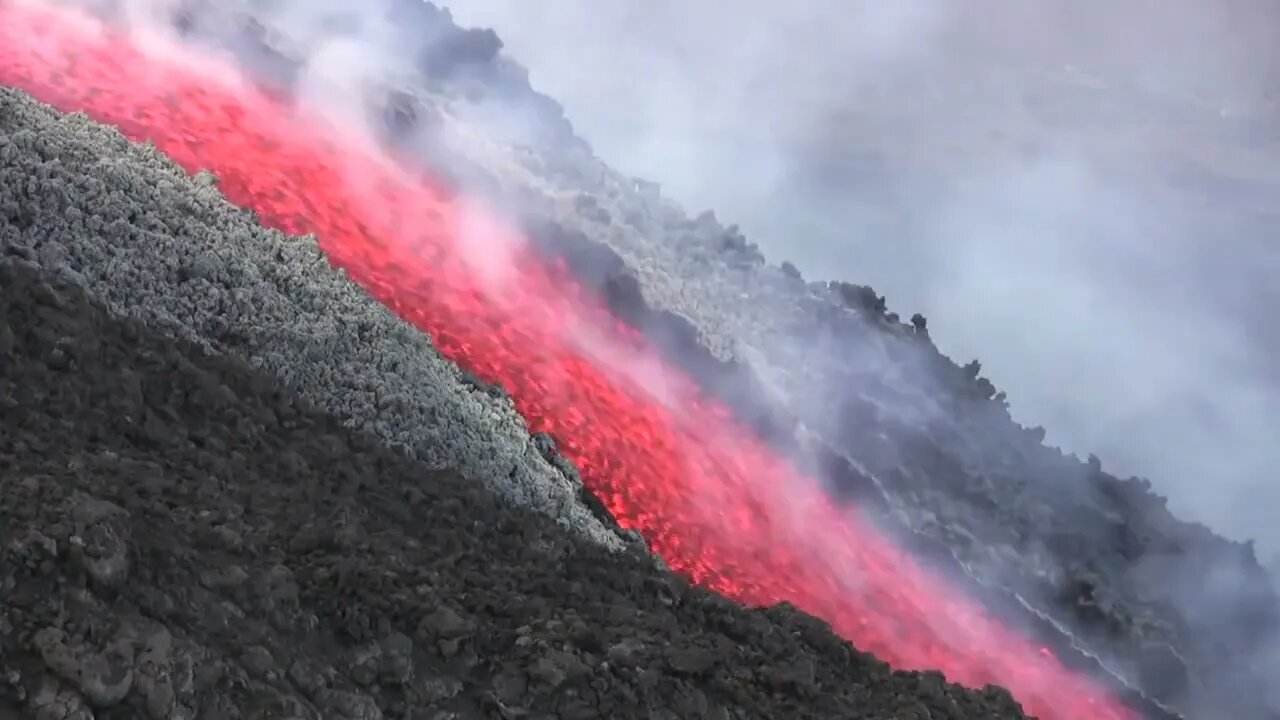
point(935, 153)
point(1081, 194)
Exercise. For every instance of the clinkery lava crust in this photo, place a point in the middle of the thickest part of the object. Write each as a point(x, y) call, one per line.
point(155, 243)
point(183, 536)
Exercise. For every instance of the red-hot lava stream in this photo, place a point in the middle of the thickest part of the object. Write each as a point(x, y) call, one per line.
point(716, 504)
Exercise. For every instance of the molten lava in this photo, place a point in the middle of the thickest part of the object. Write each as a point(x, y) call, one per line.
point(716, 504)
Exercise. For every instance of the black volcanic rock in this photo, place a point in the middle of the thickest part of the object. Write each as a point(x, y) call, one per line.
point(183, 537)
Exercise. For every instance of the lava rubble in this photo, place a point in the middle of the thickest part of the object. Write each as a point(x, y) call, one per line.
point(184, 538)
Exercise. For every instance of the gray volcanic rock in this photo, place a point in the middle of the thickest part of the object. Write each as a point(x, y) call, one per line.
point(210, 275)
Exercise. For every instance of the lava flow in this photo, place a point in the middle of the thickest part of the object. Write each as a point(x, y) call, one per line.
point(716, 504)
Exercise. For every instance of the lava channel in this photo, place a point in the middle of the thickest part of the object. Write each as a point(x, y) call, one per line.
point(710, 499)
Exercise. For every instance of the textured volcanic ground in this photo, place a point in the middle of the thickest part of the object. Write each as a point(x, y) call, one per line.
point(182, 538)
point(150, 242)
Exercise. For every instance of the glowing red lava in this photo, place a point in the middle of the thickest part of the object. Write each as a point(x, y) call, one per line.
point(716, 504)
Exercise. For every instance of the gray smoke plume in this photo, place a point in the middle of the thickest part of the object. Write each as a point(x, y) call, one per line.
point(1081, 194)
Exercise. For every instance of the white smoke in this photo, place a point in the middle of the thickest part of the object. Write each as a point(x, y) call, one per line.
point(929, 149)
point(1082, 194)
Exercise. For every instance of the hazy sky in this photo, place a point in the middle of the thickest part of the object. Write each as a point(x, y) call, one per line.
point(1081, 194)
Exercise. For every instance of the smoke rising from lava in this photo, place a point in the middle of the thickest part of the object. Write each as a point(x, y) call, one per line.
point(1013, 216)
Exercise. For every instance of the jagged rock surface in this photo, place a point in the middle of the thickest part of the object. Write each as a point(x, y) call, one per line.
point(200, 268)
point(183, 537)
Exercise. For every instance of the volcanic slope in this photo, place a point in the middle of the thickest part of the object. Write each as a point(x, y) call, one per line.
point(893, 422)
point(723, 261)
point(183, 537)
point(896, 418)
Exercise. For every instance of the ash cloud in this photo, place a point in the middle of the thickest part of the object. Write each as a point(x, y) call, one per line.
point(1080, 194)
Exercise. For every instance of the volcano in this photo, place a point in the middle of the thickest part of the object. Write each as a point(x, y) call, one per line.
point(712, 486)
